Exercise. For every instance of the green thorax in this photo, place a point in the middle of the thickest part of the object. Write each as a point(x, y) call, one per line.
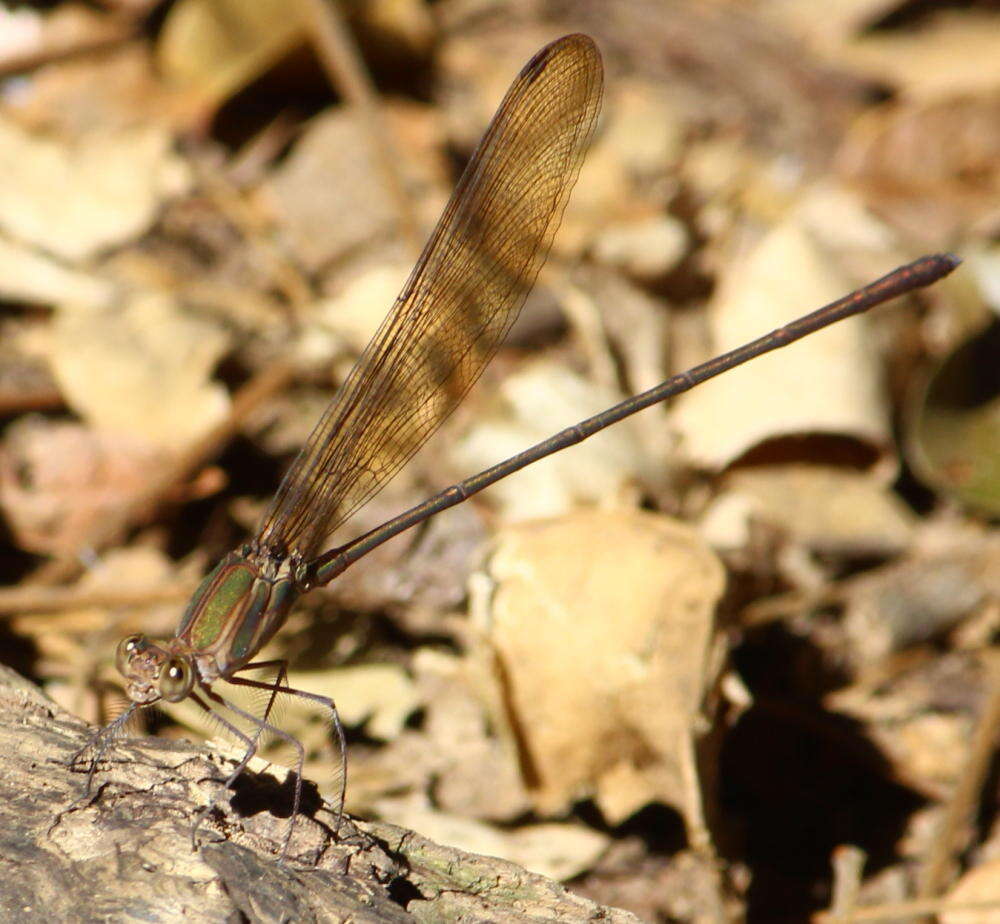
point(236, 610)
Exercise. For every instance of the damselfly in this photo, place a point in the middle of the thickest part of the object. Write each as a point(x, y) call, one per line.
point(454, 311)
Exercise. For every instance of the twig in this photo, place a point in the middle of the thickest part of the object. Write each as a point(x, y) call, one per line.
point(111, 32)
point(231, 202)
point(848, 866)
point(46, 398)
point(958, 812)
point(342, 63)
point(35, 599)
point(248, 165)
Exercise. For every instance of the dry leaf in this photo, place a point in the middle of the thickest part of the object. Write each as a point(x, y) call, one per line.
point(332, 173)
point(29, 276)
point(931, 168)
point(644, 247)
point(143, 368)
point(21, 32)
point(76, 199)
point(834, 511)
point(632, 333)
point(456, 756)
point(303, 198)
point(138, 569)
point(603, 623)
point(836, 24)
point(928, 751)
point(115, 90)
point(955, 53)
point(357, 310)
point(540, 400)
point(979, 886)
point(58, 479)
point(409, 22)
point(953, 429)
point(919, 597)
point(212, 48)
point(27, 37)
point(475, 771)
point(827, 383)
point(984, 267)
point(625, 180)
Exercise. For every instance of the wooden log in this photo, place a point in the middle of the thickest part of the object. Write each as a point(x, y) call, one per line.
point(125, 853)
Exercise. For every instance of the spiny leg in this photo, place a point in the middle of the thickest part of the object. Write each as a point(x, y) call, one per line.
point(251, 742)
point(251, 749)
point(261, 723)
point(267, 726)
point(100, 742)
point(316, 698)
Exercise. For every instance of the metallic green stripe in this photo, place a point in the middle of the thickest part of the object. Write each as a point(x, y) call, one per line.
point(231, 587)
point(195, 602)
point(250, 622)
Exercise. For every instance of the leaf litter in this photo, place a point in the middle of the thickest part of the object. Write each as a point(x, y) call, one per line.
point(561, 671)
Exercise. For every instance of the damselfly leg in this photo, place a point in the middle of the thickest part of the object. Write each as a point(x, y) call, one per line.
point(262, 724)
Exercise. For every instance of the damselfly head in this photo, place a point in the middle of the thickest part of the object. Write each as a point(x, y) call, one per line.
point(153, 672)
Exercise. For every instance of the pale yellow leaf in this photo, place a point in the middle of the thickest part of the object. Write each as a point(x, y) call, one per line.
point(77, 198)
point(143, 368)
point(603, 623)
point(213, 48)
point(827, 383)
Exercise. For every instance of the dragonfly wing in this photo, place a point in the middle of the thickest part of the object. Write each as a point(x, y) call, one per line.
point(458, 304)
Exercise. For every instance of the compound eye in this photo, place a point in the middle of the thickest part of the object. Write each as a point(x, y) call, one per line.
point(126, 648)
point(175, 680)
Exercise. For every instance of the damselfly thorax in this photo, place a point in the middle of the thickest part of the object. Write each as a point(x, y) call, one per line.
point(233, 614)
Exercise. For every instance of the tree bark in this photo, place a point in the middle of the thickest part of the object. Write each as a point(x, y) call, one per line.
point(124, 852)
